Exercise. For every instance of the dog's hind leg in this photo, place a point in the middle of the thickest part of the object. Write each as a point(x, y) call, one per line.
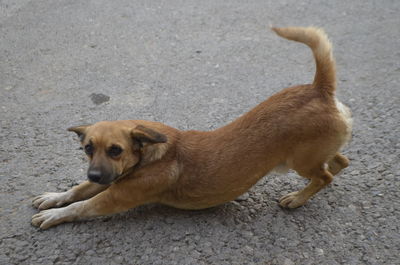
point(319, 178)
point(83, 191)
point(337, 163)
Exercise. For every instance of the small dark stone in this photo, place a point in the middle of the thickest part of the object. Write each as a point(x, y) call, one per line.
point(99, 98)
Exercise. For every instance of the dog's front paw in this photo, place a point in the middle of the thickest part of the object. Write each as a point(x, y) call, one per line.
point(48, 218)
point(51, 199)
point(52, 217)
point(292, 200)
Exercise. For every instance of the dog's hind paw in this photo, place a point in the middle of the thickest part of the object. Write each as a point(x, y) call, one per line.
point(51, 199)
point(292, 200)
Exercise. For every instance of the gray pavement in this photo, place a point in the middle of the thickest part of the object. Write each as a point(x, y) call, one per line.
point(195, 65)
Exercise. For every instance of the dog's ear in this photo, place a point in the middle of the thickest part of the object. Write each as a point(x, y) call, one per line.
point(144, 136)
point(79, 130)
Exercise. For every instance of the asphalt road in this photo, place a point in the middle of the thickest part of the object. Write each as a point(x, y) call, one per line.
point(195, 65)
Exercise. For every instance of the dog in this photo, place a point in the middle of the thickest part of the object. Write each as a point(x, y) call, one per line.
point(136, 162)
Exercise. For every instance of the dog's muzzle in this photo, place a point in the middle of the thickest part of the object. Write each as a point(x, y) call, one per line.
point(94, 175)
point(100, 177)
point(97, 176)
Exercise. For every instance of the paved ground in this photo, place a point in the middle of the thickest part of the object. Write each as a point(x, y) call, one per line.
point(194, 64)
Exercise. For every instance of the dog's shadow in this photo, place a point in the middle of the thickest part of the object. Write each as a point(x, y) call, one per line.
point(260, 202)
point(149, 215)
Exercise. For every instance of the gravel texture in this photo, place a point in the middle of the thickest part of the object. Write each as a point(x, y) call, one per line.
point(195, 65)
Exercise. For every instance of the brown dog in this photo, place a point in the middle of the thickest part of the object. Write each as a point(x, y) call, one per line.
point(138, 162)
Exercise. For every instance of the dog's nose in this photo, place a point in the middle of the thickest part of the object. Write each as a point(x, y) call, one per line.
point(94, 175)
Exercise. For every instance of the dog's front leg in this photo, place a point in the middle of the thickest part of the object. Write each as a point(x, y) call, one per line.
point(83, 191)
point(104, 203)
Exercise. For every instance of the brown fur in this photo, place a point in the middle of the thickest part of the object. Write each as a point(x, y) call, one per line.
point(301, 127)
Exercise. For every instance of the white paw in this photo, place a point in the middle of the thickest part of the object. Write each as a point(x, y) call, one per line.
point(292, 200)
point(51, 199)
point(51, 217)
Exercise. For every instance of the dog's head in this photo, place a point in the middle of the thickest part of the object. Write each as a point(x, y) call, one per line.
point(114, 149)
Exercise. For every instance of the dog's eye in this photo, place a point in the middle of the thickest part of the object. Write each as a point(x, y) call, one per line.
point(89, 149)
point(114, 151)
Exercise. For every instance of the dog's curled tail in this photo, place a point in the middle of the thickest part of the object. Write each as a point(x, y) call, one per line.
point(316, 39)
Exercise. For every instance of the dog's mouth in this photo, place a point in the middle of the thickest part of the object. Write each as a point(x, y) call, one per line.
point(103, 182)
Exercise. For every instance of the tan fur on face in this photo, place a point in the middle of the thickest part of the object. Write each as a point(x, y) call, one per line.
point(301, 127)
point(103, 135)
